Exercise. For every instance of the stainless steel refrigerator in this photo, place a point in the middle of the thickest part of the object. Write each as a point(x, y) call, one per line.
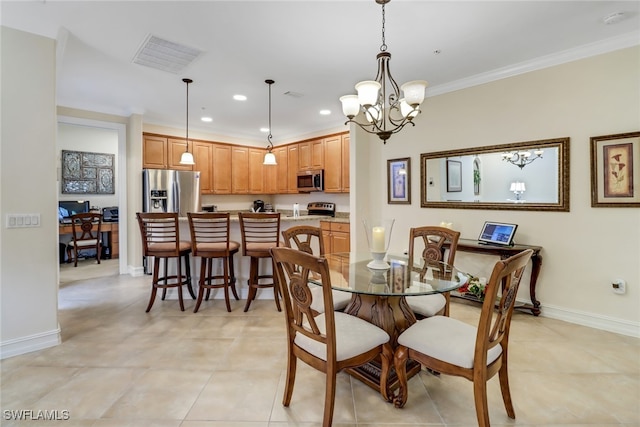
point(171, 191)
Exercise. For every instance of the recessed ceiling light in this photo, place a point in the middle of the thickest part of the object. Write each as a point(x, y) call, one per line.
point(239, 97)
point(206, 119)
point(265, 130)
point(325, 112)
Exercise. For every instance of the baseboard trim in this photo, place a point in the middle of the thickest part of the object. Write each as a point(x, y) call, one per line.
point(22, 345)
point(605, 323)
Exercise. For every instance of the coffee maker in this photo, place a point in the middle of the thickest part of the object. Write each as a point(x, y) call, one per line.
point(258, 206)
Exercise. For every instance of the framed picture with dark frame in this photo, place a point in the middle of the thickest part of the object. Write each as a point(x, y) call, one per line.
point(615, 178)
point(454, 176)
point(399, 181)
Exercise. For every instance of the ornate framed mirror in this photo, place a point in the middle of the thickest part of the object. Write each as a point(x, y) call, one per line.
point(532, 175)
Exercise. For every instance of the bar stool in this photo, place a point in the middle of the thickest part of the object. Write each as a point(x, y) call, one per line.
point(210, 240)
point(161, 240)
point(260, 232)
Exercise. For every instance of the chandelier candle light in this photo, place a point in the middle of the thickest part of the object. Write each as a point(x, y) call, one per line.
point(187, 157)
point(522, 158)
point(384, 115)
point(378, 238)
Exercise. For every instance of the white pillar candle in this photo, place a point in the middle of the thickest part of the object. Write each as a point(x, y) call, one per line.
point(377, 241)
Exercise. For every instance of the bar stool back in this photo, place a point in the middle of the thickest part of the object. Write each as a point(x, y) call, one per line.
point(210, 240)
point(260, 232)
point(161, 240)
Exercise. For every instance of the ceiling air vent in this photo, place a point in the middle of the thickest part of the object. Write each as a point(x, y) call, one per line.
point(165, 55)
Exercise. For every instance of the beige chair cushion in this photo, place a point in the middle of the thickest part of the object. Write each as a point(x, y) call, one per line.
point(207, 246)
point(169, 246)
point(446, 339)
point(354, 336)
point(427, 305)
point(85, 243)
point(340, 299)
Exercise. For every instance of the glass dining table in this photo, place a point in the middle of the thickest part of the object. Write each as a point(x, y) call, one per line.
point(380, 296)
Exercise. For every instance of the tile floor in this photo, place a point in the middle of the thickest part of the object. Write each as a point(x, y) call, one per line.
point(121, 367)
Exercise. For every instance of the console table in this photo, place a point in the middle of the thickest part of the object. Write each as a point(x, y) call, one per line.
point(504, 252)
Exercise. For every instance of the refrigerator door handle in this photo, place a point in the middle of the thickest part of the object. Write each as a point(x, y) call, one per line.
point(176, 199)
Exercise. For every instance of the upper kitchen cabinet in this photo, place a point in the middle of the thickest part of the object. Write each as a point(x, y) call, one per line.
point(256, 171)
point(175, 149)
point(311, 155)
point(154, 152)
point(202, 156)
point(239, 170)
point(292, 173)
point(336, 170)
point(222, 168)
point(282, 169)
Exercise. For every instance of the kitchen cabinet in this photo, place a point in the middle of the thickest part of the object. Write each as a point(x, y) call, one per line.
point(336, 236)
point(221, 168)
point(292, 173)
point(239, 170)
point(256, 171)
point(175, 148)
point(311, 155)
point(154, 152)
point(282, 170)
point(202, 156)
point(336, 170)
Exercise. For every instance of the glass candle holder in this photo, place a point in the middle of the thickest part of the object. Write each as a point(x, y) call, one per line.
point(378, 238)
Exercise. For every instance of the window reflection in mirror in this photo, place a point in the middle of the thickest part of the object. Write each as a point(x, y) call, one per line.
point(531, 175)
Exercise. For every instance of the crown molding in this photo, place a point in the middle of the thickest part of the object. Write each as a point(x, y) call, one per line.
point(585, 51)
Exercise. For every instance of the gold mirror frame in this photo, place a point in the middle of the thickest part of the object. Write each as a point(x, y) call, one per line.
point(561, 205)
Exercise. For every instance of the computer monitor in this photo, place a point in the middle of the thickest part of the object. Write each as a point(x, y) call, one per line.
point(67, 208)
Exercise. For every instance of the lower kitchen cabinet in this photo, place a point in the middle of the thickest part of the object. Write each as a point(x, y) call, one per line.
point(336, 236)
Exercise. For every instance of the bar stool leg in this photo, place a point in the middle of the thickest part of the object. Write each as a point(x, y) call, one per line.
point(187, 264)
point(232, 276)
point(179, 279)
point(203, 278)
point(252, 283)
point(154, 283)
point(225, 266)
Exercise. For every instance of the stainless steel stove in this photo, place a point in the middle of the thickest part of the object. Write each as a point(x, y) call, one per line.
point(321, 208)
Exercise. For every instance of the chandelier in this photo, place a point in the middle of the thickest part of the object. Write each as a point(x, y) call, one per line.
point(269, 157)
point(187, 157)
point(521, 158)
point(385, 115)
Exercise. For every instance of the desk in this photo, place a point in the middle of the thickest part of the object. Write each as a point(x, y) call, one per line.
point(504, 252)
point(379, 297)
point(111, 228)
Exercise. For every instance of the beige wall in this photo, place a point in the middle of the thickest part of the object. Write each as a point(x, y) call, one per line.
point(28, 256)
point(584, 249)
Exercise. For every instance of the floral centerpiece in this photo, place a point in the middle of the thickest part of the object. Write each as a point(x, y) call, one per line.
point(474, 286)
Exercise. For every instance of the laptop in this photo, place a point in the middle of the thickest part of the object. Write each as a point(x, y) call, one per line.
point(497, 233)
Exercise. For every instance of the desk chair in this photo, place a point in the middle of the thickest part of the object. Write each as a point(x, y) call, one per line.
point(330, 341)
point(260, 232)
point(161, 240)
point(210, 240)
point(85, 235)
point(433, 241)
point(304, 238)
point(452, 347)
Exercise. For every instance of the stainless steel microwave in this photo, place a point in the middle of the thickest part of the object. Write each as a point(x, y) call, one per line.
point(312, 180)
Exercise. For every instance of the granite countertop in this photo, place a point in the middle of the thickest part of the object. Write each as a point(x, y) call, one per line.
point(342, 217)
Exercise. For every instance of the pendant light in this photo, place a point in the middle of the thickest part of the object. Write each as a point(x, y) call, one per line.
point(187, 157)
point(269, 157)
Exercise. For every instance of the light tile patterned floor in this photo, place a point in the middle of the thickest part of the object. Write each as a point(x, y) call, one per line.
point(121, 367)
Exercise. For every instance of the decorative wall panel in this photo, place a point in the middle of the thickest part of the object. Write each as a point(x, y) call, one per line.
point(87, 173)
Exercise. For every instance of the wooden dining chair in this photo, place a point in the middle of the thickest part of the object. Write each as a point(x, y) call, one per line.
point(330, 341)
point(86, 235)
point(431, 244)
point(260, 232)
point(210, 240)
point(161, 240)
point(452, 347)
point(306, 238)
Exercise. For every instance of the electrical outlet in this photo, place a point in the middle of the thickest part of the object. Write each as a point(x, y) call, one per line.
point(618, 286)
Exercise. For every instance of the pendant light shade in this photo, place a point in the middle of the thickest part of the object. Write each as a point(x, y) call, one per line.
point(187, 157)
point(269, 157)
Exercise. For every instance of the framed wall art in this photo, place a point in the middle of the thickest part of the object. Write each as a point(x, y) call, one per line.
point(454, 176)
point(399, 181)
point(615, 170)
point(87, 173)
